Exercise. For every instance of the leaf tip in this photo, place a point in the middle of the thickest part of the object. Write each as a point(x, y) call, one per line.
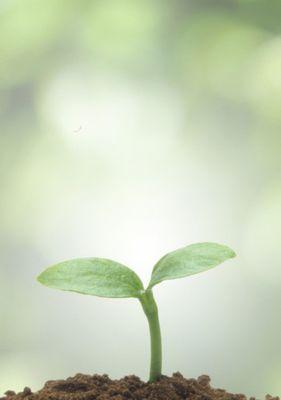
point(232, 253)
point(41, 278)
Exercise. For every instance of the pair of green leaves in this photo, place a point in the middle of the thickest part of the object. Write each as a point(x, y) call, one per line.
point(107, 278)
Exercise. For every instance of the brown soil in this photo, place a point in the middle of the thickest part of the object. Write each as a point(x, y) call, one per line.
point(97, 387)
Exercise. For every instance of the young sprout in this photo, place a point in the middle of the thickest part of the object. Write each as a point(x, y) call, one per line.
point(106, 278)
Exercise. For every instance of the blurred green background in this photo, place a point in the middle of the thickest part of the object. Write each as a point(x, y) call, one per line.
point(130, 128)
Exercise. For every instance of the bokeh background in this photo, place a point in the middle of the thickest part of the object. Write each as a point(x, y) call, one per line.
point(130, 128)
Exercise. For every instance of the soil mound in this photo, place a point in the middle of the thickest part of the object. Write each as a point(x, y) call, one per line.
point(101, 387)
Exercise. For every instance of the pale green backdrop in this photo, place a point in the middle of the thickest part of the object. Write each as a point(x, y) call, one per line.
point(130, 128)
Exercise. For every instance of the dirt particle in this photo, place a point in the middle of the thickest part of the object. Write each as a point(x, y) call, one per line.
point(204, 380)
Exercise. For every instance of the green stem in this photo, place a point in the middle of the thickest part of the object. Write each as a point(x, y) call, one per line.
point(151, 311)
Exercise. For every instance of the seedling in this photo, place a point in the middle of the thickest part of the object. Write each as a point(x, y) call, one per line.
point(106, 278)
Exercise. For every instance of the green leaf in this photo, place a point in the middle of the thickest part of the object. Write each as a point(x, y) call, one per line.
point(94, 276)
point(189, 260)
